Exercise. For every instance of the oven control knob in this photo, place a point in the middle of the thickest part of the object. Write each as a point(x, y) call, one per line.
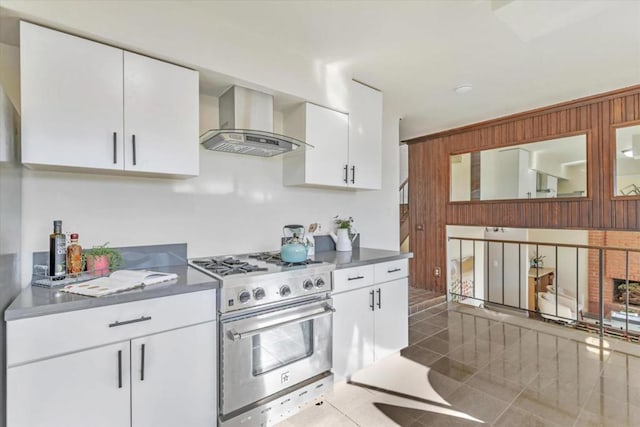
point(258, 293)
point(319, 283)
point(244, 296)
point(285, 291)
point(307, 285)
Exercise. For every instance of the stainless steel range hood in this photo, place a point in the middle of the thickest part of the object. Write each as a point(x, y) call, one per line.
point(246, 126)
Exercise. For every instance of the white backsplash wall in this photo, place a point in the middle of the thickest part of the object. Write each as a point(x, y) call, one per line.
point(237, 204)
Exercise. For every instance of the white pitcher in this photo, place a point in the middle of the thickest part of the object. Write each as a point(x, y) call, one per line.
point(342, 240)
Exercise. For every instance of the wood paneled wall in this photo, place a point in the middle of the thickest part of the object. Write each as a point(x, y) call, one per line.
point(430, 210)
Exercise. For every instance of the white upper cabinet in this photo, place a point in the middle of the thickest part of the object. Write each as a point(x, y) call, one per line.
point(71, 92)
point(84, 103)
point(326, 163)
point(161, 116)
point(347, 148)
point(365, 137)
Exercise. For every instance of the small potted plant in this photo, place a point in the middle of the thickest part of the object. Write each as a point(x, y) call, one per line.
point(342, 239)
point(343, 223)
point(102, 259)
point(536, 261)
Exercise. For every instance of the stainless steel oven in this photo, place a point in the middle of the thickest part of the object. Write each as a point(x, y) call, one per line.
point(275, 341)
point(268, 351)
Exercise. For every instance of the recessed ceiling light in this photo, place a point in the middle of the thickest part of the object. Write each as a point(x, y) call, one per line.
point(463, 88)
point(628, 152)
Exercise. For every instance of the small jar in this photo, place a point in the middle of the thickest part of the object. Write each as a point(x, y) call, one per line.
point(74, 256)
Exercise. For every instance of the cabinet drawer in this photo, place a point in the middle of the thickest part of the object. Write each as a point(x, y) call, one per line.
point(46, 336)
point(391, 270)
point(352, 278)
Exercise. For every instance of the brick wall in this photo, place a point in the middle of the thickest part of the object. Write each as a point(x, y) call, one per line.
point(614, 264)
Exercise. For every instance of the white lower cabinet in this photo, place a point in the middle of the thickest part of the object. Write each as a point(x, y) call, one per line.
point(353, 331)
point(369, 324)
point(162, 370)
point(391, 318)
point(74, 390)
point(173, 383)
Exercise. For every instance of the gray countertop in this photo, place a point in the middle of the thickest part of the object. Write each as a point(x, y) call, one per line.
point(36, 301)
point(360, 256)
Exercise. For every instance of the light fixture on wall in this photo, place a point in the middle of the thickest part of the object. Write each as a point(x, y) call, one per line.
point(634, 151)
point(494, 229)
point(464, 88)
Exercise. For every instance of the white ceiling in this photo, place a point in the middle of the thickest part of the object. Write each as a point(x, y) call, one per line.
point(518, 54)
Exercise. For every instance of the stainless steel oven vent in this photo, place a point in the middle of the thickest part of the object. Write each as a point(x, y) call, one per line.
point(246, 126)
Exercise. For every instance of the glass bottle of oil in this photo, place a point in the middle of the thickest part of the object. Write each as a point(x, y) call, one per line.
point(57, 251)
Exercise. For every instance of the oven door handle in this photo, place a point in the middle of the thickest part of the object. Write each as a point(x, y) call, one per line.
point(237, 336)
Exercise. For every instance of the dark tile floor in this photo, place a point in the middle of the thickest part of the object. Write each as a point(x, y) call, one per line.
point(500, 370)
point(421, 299)
point(512, 375)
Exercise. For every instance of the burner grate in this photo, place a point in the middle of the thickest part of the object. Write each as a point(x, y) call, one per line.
point(274, 258)
point(228, 266)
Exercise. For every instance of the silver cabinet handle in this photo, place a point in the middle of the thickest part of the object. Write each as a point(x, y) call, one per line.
point(235, 336)
point(142, 363)
point(379, 298)
point(394, 270)
point(115, 148)
point(371, 305)
point(355, 278)
point(353, 174)
point(127, 322)
point(119, 368)
point(133, 143)
point(346, 174)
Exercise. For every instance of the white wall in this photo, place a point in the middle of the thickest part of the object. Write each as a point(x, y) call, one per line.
point(461, 178)
point(548, 163)
point(404, 162)
point(512, 274)
point(238, 204)
point(9, 73)
point(499, 174)
point(576, 179)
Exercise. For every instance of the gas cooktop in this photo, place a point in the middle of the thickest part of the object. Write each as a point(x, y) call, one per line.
point(262, 278)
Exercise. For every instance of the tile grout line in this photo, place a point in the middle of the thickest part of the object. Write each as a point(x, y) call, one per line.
point(345, 415)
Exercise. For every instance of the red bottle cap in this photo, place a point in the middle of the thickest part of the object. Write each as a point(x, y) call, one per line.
point(74, 236)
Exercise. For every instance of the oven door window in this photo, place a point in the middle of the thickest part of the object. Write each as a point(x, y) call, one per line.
point(282, 346)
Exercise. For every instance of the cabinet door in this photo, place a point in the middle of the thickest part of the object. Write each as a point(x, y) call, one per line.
point(391, 317)
point(352, 331)
point(365, 137)
point(87, 388)
point(328, 132)
point(161, 115)
point(71, 91)
point(174, 378)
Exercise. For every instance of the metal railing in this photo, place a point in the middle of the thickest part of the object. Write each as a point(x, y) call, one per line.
point(568, 290)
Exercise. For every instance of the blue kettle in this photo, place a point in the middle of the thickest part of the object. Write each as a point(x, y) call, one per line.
point(293, 250)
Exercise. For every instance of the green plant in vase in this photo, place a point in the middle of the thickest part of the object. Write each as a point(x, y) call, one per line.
point(537, 261)
point(343, 223)
point(102, 259)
